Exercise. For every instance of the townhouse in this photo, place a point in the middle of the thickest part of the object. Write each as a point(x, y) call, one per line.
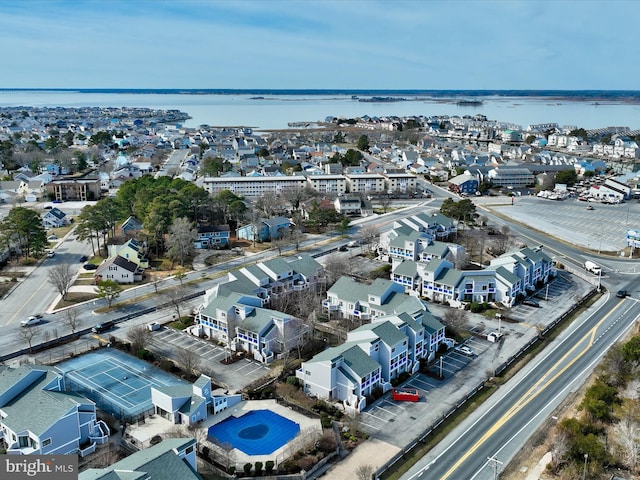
point(365, 182)
point(38, 417)
point(373, 355)
point(400, 182)
point(253, 186)
point(171, 459)
point(336, 184)
point(235, 312)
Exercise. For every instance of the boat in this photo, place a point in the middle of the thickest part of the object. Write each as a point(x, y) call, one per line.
point(405, 394)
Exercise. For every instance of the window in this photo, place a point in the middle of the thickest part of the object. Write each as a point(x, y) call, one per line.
point(189, 449)
point(46, 442)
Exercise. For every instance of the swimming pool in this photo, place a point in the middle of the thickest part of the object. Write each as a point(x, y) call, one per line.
point(258, 432)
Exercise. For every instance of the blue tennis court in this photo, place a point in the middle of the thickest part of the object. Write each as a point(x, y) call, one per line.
point(117, 382)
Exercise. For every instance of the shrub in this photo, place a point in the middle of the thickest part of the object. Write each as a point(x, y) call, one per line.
point(305, 463)
point(327, 442)
point(268, 467)
point(325, 421)
point(258, 466)
point(247, 468)
point(293, 380)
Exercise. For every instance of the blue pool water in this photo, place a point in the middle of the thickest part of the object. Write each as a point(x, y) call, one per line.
point(259, 432)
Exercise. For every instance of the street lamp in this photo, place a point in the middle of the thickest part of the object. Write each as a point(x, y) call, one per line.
point(584, 472)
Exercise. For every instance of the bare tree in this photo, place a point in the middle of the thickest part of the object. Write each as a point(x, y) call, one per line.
point(139, 336)
point(281, 242)
point(626, 434)
point(71, 319)
point(456, 319)
point(176, 298)
point(155, 281)
point(370, 237)
point(364, 472)
point(296, 237)
point(180, 240)
point(336, 268)
point(559, 450)
point(61, 277)
point(28, 334)
point(188, 360)
point(385, 201)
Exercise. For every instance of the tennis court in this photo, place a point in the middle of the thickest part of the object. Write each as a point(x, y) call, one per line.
point(117, 382)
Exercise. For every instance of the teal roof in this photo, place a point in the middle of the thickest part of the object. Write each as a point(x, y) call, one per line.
point(305, 265)
point(439, 249)
point(358, 361)
point(158, 462)
point(407, 268)
point(431, 324)
point(508, 277)
point(50, 406)
point(388, 333)
point(449, 276)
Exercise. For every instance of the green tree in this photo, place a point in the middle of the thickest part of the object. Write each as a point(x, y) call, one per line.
point(351, 158)
point(101, 138)
point(599, 401)
point(214, 166)
point(338, 137)
point(363, 143)
point(109, 290)
point(530, 139)
point(23, 226)
point(80, 160)
point(262, 153)
point(463, 210)
point(569, 177)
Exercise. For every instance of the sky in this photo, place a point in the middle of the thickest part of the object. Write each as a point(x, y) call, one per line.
point(332, 44)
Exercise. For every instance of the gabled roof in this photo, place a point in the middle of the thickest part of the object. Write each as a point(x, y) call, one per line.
point(159, 462)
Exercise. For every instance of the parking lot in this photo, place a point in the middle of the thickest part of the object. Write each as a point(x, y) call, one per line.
point(455, 373)
point(233, 377)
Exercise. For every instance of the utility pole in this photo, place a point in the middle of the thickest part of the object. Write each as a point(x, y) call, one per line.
point(495, 464)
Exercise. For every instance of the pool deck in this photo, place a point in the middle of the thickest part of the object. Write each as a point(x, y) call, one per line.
point(143, 432)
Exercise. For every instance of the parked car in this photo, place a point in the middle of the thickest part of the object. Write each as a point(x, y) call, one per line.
point(465, 350)
point(52, 237)
point(31, 320)
point(590, 207)
point(51, 253)
point(103, 326)
point(531, 303)
point(622, 294)
point(90, 266)
point(84, 258)
point(343, 248)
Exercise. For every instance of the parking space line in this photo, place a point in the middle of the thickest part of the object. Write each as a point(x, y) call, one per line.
point(369, 426)
point(377, 418)
point(419, 380)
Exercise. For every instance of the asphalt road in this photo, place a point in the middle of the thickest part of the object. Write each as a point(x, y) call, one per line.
point(499, 428)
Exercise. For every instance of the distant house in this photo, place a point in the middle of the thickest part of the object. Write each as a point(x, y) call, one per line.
point(265, 229)
point(173, 458)
point(463, 184)
point(38, 417)
point(54, 218)
point(118, 269)
point(133, 250)
point(131, 226)
point(212, 236)
point(348, 205)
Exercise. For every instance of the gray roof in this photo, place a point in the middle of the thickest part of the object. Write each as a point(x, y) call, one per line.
point(431, 324)
point(159, 462)
point(507, 276)
point(407, 268)
point(305, 265)
point(50, 405)
point(385, 331)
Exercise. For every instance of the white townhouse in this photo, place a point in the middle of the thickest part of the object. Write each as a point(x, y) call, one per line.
point(532, 266)
point(253, 186)
point(236, 312)
point(400, 182)
point(432, 227)
point(54, 218)
point(38, 417)
point(345, 373)
point(242, 324)
point(352, 299)
point(336, 184)
point(439, 281)
point(373, 355)
point(365, 182)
